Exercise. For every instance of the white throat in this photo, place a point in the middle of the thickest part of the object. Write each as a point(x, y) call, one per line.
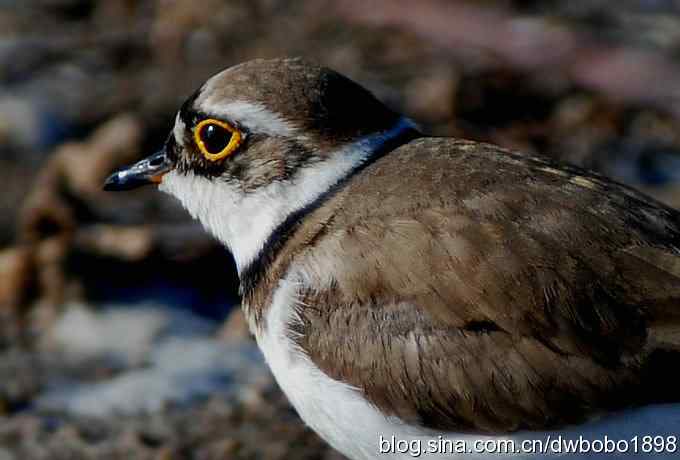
point(245, 221)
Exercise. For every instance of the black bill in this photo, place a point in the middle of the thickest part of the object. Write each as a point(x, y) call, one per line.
point(150, 170)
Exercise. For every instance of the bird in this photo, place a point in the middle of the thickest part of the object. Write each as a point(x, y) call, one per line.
point(417, 292)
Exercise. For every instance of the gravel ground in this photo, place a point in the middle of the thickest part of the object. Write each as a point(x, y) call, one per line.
point(170, 390)
point(260, 425)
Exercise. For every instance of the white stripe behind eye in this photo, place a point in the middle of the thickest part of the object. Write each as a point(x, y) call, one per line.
point(251, 115)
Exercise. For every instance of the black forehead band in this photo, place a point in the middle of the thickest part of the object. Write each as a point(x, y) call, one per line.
point(186, 113)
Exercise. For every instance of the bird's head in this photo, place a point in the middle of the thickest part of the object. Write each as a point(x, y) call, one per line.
point(261, 140)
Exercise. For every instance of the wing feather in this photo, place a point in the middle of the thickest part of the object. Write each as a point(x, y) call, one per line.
point(538, 299)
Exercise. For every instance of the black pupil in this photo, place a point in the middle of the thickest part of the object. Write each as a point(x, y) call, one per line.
point(215, 138)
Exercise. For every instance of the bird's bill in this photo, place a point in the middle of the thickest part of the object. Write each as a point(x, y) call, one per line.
point(150, 170)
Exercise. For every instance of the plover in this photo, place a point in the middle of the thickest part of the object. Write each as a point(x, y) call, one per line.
point(405, 287)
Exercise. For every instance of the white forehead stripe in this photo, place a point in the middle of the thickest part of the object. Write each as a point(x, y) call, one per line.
point(254, 116)
point(178, 130)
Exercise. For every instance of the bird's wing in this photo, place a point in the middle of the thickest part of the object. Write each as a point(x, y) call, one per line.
point(531, 301)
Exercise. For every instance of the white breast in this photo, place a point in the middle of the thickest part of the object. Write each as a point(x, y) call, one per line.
point(336, 411)
point(342, 417)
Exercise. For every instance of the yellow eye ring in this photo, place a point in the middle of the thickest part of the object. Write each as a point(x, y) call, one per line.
point(216, 139)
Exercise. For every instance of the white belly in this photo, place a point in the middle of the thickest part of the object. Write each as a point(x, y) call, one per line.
point(342, 417)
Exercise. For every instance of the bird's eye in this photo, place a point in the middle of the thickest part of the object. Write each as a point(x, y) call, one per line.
point(216, 139)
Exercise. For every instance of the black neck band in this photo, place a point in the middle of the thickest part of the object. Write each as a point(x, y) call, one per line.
point(252, 274)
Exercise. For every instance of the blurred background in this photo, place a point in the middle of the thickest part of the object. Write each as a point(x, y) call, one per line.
point(119, 332)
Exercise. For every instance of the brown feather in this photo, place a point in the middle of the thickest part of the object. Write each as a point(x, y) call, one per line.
point(463, 287)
